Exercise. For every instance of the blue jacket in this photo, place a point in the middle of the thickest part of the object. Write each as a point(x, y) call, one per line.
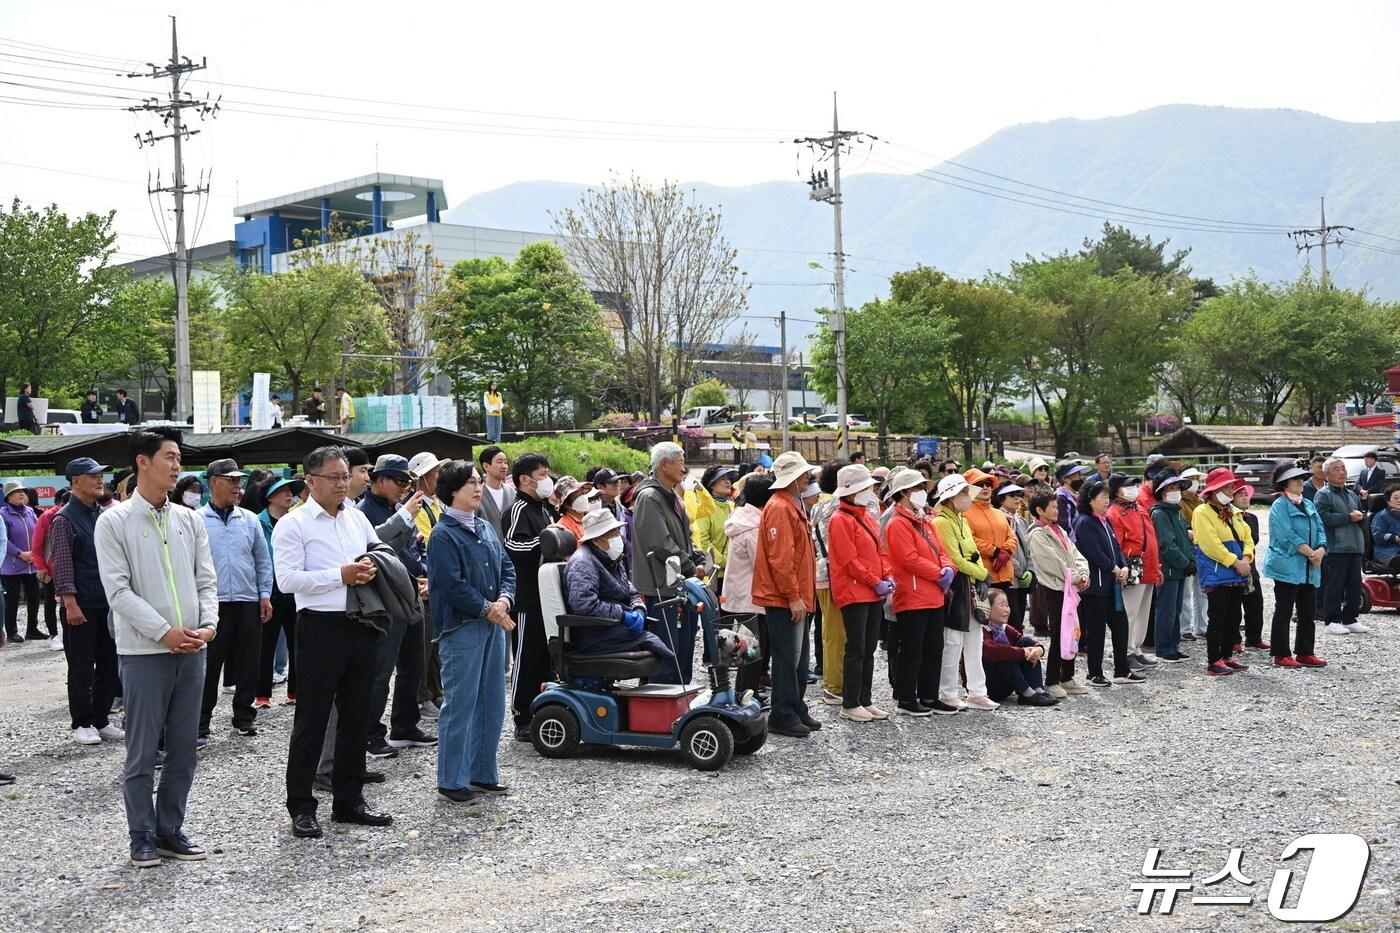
point(242, 558)
point(1334, 506)
point(1099, 545)
point(1385, 535)
point(467, 571)
point(595, 586)
point(1289, 526)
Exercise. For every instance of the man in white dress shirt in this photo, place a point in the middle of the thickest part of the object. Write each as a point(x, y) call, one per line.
point(315, 550)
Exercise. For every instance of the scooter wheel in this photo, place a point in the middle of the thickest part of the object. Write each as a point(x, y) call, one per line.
point(554, 732)
point(750, 745)
point(706, 743)
point(1366, 605)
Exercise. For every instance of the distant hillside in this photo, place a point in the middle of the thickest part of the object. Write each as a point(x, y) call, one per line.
point(1243, 166)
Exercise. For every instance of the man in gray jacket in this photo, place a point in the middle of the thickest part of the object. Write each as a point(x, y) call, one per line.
point(1341, 514)
point(164, 596)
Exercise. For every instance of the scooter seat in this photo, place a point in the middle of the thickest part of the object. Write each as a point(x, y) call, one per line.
point(613, 665)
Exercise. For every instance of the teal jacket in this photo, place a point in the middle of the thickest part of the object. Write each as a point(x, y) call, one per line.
point(1289, 526)
point(1334, 507)
point(1173, 541)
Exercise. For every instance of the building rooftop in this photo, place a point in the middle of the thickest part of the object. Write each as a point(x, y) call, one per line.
point(402, 195)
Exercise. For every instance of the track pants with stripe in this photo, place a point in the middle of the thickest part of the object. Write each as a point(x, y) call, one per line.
point(530, 666)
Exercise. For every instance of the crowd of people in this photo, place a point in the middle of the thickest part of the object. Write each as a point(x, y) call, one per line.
point(410, 587)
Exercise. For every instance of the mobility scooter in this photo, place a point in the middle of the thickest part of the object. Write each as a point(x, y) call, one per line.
point(588, 706)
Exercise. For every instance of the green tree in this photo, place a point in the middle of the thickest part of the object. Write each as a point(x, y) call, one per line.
point(1248, 332)
point(297, 324)
point(891, 349)
point(531, 323)
point(55, 286)
point(708, 392)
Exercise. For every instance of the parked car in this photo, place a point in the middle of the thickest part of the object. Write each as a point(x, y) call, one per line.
point(1387, 458)
point(61, 416)
point(707, 416)
point(829, 422)
point(1259, 473)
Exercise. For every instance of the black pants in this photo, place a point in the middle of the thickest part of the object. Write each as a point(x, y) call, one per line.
point(531, 666)
point(92, 669)
point(1224, 607)
point(1057, 669)
point(1341, 588)
point(1007, 679)
point(236, 648)
point(401, 650)
point(1017, 598)
point(1253, 610)
point(337, 669)
point(50, 600)
point(17, 584)
point(1096, 613)
point(858, 665)
point(1287, 596)
point(284, 619)
point(920, 657)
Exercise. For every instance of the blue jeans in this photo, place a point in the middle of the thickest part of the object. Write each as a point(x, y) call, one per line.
point(1165, 628)
point(473, 704)
point(788, 646)
point(675, 627)
point(493, 428)
point(162, 694)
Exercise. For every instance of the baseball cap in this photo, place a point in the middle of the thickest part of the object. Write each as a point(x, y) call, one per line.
point(83, 466)
point(391, 465)
point(226, 467)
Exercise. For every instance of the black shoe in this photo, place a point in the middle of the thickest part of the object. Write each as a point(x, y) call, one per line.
point(1173, 657)
point(33, 635)
point(1099, 682)
point(361, 815)
point(915, 709)
point(1188, 637)
point(797, 730)
point(489, 788)
point(144, 854)
point(378, 748)
point(372, 777)
point(6, 779)
point(178, 846)
point(812, 677)
point(461, 794)
point(1037, 699)
point(19, 640)
point(1145, 661)
point(415, 739)
point(305, 826)
point(522, 733)
point(1132, 677)
point(939, 707)
point(246, 730)
point(811, 724)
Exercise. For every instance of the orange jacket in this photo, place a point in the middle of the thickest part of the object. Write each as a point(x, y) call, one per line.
point(916, 559)
point(785, 567)
point(856, 556)
point(991, 531)
point(570, 521)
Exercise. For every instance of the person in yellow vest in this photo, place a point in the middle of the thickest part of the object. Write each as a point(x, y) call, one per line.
point(345, 410)
point(494, 406)
point(713, 504)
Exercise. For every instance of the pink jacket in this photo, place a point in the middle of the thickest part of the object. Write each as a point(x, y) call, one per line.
point(742, 530)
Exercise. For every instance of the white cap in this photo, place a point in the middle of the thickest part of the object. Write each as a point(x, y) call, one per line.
point(949, 486)
point(424, 463)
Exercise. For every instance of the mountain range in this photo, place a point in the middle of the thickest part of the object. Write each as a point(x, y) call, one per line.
point(1227, 183)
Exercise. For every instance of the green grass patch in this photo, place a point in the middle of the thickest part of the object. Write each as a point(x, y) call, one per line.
point(572, 456)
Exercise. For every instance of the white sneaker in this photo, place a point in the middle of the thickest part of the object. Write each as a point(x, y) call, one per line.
point(857, 714)
point(983, 703)
point(112, 733)
point(1337, 628)
point(279, 677)
point(86, 735)
point(56, 642)
point(1056, 691)
point(1357, 628)
point(877, 713)
point(829, 698)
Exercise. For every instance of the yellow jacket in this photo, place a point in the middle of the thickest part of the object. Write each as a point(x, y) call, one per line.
point(427, 518)
point(957, 539)
point(707, 518)
point(1212, 533)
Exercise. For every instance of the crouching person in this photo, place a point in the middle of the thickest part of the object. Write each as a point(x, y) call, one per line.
point(597, 585)
point(1011, 660)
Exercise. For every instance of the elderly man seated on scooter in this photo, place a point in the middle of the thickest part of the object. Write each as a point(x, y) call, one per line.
point(597, 585)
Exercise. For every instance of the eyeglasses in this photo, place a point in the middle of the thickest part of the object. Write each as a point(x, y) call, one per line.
point(473, 481)
point(335, 479)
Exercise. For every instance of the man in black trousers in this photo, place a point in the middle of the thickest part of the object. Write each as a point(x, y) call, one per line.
point(316, 549)
point(530, 514)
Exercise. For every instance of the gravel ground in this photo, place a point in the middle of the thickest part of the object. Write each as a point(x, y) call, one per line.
point(1020, 819)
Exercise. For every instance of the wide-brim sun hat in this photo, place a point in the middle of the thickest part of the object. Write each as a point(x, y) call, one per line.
point(789, 466)
point(425, 462)
point(902, 479)
point(1169, 481)
point(975, 476)
point(296, 486)
point(1191, 473)
point(949, 486)
point(598, 523)
point(1287, 472)
point(1068, 468)
point(1219, 478)
point(1247, 489)
point(852, 479)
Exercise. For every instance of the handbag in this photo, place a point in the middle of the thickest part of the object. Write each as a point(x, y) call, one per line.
point(1134, 571)
point(1069, 620)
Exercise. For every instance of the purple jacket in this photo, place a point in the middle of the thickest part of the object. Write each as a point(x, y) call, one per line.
point(19, 527)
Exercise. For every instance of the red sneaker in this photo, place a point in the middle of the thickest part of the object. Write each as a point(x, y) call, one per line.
point(262, 703)
point(1234, 665)
point(1311, 660)
point(1218, 669)
point(1238, 648)
point(1261, 645)
point(1286, 661)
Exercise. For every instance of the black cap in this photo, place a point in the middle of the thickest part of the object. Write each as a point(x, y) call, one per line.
point(604, 476)
point(226, 467)
point(716, 473)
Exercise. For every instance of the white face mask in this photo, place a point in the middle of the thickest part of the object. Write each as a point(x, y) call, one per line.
point(191, 499)
point(1224, 498)
point(580, 505)
point(1130, 493)
point(1173, 497)
point(545, 488)
point(918, 499)
point(1195, 486)
point(865, 497)
point(615, 548)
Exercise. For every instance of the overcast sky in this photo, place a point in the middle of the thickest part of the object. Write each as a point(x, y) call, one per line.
point(568, 91)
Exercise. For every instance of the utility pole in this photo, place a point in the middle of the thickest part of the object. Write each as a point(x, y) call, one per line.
point(831, 193)
point(171, 111)
point(782, 338)
point(1320, 237)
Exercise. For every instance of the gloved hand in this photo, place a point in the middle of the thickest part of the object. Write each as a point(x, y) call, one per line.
point(635, 620)
point(1026, 579)
point(1000, 558)
point(883, 588)
point(945, 579)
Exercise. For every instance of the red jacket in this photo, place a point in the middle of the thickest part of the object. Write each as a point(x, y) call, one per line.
point(38, 540)
point(856, 555)
point(1138, 538)
point(785, 566)
point(916, 559)
point(995, 652)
